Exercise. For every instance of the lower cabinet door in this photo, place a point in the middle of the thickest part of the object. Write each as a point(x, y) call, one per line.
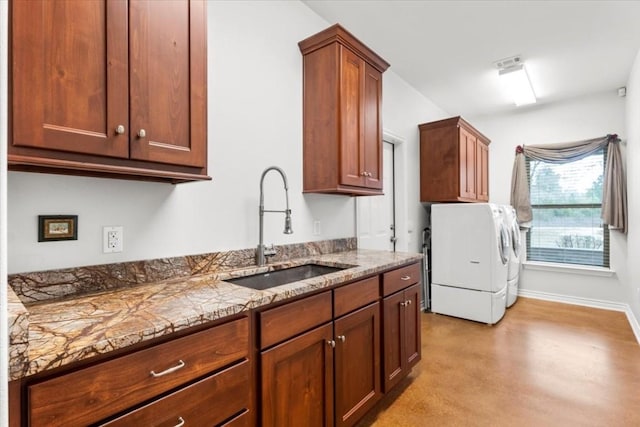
point(209, 402)
point(393, 320)
point(297, 381)
point(357, 364)
point(412, 343)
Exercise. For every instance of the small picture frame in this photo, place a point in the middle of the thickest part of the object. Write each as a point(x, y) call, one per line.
point(52, 228)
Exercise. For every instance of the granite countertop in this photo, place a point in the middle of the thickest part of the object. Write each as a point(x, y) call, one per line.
point(54, 333)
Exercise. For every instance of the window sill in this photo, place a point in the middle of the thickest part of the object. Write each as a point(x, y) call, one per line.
point(567, 268)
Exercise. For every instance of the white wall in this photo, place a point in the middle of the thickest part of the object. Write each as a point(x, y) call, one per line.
point(403, 109)
point(573, 120)
point(255, 120)
point(633, 187)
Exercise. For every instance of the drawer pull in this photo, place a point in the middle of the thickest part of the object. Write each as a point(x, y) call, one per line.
point(405, 278)
point(180, 422)
point(180, 365)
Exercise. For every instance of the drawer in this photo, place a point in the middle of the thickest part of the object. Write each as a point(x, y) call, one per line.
point(242, 420)
point(94, 393)
point(355, 295)
point(286, 321)
point(395, 280)
point(208, 402)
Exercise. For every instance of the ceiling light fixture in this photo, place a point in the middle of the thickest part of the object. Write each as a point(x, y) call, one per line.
point(514, 76)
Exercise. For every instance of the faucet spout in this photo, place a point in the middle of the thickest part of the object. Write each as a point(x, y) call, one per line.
point(261, 252)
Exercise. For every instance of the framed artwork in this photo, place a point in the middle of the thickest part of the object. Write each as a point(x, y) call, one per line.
point(53, 228)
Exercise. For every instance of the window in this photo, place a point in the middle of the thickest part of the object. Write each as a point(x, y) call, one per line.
point(566, 200)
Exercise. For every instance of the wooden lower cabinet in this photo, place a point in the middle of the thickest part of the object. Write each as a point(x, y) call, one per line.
point(321, 360)
point(401, 342)
point(330, 375)
point(357, 364)
point(297, 381)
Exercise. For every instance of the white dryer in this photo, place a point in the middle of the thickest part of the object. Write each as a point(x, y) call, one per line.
point(469, 261)
point(515, 253)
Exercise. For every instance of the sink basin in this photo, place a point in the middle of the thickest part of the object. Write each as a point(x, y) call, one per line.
point(280, 277)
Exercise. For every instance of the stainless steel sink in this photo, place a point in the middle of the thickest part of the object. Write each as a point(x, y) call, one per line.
point(280, 277)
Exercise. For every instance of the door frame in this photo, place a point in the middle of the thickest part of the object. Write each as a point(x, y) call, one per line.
point(400, 189)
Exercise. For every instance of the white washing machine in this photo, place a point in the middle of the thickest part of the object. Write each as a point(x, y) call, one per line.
point(469, 261)
point(515, 253)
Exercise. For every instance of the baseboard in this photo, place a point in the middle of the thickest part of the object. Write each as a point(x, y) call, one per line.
point(633, 321)
point(587, 302)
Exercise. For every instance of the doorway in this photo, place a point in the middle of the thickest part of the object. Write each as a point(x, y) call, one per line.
point(376, 215)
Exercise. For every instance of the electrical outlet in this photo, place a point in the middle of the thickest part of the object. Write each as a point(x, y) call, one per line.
point(112, 239)
point(316, 228)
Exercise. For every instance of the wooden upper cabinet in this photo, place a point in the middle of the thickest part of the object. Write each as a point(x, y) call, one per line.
point(342, 114)
point(454, 162)
point(109, 88)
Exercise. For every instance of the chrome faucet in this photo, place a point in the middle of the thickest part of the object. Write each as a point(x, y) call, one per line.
point(262, 252)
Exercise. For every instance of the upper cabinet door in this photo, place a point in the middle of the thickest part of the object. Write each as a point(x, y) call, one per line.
point(70, 76)
point(168, 81)
point(351, 117)
point(482, 171)
point(467, 164)
point(372, 127)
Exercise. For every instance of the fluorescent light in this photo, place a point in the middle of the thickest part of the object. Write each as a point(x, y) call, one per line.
point(518, 84)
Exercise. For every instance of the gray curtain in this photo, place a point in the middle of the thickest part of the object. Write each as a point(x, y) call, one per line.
point(614, 199)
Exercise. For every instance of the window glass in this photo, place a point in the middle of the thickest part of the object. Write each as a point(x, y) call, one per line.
point(566, 200)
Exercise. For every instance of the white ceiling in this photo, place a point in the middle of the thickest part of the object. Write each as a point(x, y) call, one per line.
point(446, 49)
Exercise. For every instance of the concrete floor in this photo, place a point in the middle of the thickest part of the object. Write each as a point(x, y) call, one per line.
point(543, 364)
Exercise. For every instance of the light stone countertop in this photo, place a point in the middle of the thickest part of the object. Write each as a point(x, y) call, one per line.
point(65, 331)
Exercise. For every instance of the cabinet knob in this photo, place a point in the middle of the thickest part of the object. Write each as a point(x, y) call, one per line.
point(332, 343)
point(142, 133)
point(363, 173)
point(342, 338)
point(369, 174)
point(408, 302)
point(120, 129)
point(403, 304)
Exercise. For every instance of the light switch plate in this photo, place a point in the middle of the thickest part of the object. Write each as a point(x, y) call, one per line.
point(112, 239)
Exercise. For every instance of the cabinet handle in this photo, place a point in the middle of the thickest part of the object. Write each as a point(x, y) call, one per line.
point(180, 365)
point(342, 338)
point(405, 278)
point(120, 129)
point(332, 343)
point(142, 133)
point(180, 422)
